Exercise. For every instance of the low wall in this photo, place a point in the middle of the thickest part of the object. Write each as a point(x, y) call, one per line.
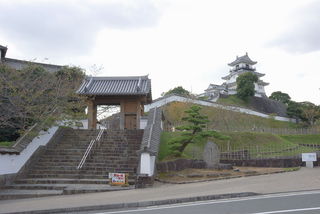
point(283, 163)
point(12, 163)
point(180, 164)
point(12, 166)
point(7, 179)
point(55, 138)
point(176, 98)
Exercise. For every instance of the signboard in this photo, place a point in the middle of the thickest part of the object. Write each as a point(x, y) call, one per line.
point(309, 156)
point(118, 179)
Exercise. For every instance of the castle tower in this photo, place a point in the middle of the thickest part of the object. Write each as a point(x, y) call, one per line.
point(239, 66)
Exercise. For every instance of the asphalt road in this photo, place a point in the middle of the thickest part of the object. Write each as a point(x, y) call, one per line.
point(287, 203)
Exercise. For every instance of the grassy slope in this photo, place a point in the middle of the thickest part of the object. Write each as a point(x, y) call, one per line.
point(221, 119)
point(241, 139)
point(256, 143)
point(307, 139)
point(233, 100)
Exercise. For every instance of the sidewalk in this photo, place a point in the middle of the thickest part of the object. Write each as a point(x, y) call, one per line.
point(304, 179)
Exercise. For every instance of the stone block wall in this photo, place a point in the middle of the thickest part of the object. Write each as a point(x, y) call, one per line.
point(180, 164)
point(283, 163)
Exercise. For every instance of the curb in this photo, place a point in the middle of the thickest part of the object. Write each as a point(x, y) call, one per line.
point(140, 204)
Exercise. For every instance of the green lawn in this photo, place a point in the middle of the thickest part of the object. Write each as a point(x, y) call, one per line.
point(6, 144)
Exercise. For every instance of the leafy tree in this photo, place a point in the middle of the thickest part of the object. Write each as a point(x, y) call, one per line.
point(32, 95)
point(305, 111)
point(294, 109)
point(245, 85)
point(177, 90)
point(280, 96)
point(310, 112)
point(192, 132)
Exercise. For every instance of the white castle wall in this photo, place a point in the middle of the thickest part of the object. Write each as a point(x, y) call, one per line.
point(175, 98)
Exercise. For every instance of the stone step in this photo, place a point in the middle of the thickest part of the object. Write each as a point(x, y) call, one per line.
point(110, 164)
point(78, 176)
point(6, 194)
point(37, 186)
point(43, 164)
point(56, 169)
point(94, 188)
point(58, 160)
point(84, 170)
point(93, 152)
point(40, 190)
point(58, 164)
point(71, 150)
point(61, 181)
point(102, 160)
point(72, 176)
point(64, 157)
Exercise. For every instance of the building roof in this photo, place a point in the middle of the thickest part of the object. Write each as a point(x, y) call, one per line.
point(261, 82)
point(3, 51)
point(20, 64)
point(134, 85)
point(215, 87)
point(242, 59)
point(241, 71)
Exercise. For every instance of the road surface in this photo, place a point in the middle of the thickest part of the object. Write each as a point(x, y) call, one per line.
point(287, 203)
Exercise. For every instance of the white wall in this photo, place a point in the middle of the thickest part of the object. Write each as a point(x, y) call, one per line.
point(12, 163)
point(143, 123)
point(147, 164)
point(176, 98)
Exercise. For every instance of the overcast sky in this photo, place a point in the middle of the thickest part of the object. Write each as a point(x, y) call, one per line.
point(177, 42)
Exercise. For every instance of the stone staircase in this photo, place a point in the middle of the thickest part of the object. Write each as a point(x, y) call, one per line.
point(55, 172)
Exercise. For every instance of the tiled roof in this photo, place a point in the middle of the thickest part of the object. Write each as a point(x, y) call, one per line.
point(135, 85)
point(241, 71)
point(242, 59)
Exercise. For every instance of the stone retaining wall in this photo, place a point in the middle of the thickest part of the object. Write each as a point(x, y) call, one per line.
point(283, 163)
point(180, 164)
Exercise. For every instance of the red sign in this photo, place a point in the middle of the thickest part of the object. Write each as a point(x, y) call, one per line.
point(118, 178)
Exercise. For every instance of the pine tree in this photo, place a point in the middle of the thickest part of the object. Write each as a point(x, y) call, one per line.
point(192, 132)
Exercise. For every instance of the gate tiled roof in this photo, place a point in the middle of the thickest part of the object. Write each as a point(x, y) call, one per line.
point(134, 85)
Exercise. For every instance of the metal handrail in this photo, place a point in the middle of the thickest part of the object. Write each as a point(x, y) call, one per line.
point(88, 150)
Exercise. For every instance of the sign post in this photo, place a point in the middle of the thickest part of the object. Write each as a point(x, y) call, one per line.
point(118, 179)
point(309, 158)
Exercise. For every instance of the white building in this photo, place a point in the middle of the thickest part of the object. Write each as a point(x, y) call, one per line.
point(241, 65)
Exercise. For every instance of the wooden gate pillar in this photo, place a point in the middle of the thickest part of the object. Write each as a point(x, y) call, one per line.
point(92, 115)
